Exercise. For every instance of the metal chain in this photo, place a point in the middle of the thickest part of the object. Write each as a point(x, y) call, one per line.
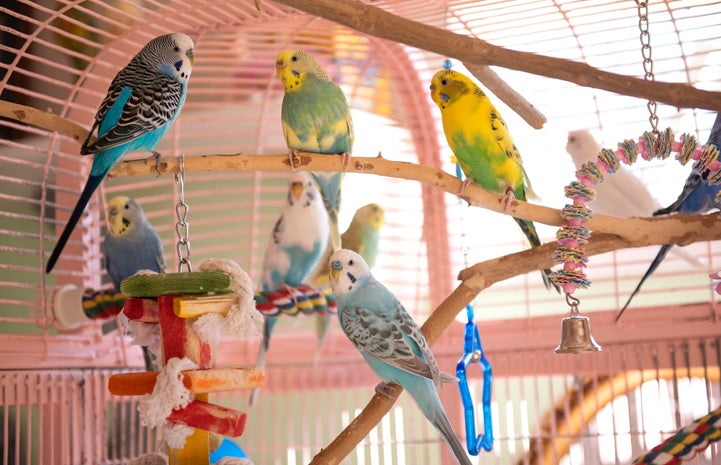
point(645, 37)
point(182, 227)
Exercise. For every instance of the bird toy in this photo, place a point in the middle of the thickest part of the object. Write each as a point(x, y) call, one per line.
point(686, 443)
point(473, 353)
point(574, 235)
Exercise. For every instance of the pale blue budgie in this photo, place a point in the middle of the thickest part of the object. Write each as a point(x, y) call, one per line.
point(140, 106)
point(316, 118)
point(697, 196)
point(130, 245)
point(389, 340)
point(299, 238)
point(362, 236)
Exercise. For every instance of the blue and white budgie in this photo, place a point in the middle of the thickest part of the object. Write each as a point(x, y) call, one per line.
point(389, 340)
point(698, 196)
point(299, 239)
point(130, 245)
point(316, 118)
point(141, 104)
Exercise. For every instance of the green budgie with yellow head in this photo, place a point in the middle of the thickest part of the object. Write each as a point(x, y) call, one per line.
point(480, 140)
point(316, 118)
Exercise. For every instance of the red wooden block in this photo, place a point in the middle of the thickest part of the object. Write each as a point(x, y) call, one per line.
point(179, 338)
point(145, 310)
point(210, 417)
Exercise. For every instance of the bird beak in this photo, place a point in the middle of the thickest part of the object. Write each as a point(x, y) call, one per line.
point(191, 57)
point(335, 268)
point(279, 67)
point(296, 189)
point(112, 211)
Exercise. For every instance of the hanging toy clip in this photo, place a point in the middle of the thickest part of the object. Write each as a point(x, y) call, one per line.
point(473, 353)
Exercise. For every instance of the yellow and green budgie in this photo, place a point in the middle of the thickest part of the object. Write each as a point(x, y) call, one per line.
point(482, 144)
point(316, 118)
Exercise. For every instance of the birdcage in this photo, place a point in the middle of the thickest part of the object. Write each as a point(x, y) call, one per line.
point(608, 69)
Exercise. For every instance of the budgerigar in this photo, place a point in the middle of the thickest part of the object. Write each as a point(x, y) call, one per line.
point(299, 239)
point(362, 237)
point(697, 196)
point(316, 118)
point(621, 194)
point(130, 245)
point(482, 144)
point(141, 104)
point(389, 340)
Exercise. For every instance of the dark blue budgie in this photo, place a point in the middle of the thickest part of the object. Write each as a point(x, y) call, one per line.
point(141, 105)
point(698, 196)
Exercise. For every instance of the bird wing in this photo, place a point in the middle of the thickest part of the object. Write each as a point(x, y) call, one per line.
point(390, 336)
point(134, 110)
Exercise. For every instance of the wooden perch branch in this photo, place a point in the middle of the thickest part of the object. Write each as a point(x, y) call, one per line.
point(43, 119)
point(632, 229)
point(377, 22)
point(510, 97)
point(474, 280)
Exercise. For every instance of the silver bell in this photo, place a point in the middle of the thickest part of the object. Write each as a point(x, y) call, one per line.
point(576, 334)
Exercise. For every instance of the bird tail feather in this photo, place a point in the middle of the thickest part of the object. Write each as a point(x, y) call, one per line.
point(529, 230)
point(90, 187)
point(268, 325)
point(426, 396)
point(656, 262)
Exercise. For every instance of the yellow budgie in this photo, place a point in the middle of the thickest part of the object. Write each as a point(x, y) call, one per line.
point(482, 144)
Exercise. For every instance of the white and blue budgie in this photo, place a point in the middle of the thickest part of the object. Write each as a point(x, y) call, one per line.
point(141, 104)
point(131, 245)
point(389, 340)
point(299, 239)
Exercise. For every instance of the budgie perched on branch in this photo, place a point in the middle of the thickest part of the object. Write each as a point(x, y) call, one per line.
point(141, 104)
point(697, 196)
point(130, 245)
point(482, 144)
point(390, 341)
point(316, 118)
point(298, 240)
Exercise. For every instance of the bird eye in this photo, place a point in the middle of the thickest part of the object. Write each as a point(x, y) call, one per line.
point(127, 206)
point(177, 49)
point(350, 262)
point(294, 58)
point(444, 82)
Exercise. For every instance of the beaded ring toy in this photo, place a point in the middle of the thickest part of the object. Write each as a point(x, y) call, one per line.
point(574, 235)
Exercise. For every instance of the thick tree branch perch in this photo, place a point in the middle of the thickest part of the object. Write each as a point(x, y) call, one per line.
point(43, 119)
point(510, 97)
point(628, 228)
point(377, 22)
point(633, 229)
point(474, 280)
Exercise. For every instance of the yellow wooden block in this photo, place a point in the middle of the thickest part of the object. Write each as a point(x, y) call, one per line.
point(195, 306)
